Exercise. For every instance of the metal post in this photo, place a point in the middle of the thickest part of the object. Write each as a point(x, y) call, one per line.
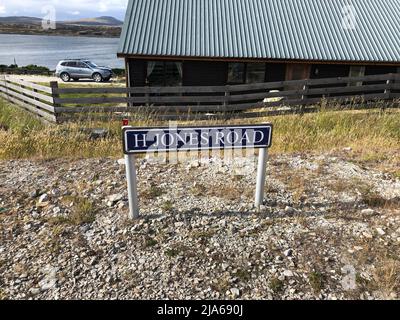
point(132, 187)
point(261, 173)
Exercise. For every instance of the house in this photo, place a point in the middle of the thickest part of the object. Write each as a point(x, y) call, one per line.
point(219, 42)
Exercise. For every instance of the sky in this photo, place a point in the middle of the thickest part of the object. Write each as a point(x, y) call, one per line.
point(64, 9)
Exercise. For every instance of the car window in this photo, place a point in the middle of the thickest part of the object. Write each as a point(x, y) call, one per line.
point(72, 64)
point(64, 64)
point(81, 65)
point(91, 64)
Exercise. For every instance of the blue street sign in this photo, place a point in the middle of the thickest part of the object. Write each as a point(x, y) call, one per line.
point(170, 139)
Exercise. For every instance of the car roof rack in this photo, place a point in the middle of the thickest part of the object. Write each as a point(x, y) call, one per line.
point(76, 60)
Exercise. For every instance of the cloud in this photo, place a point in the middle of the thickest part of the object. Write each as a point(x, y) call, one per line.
point(84, 8)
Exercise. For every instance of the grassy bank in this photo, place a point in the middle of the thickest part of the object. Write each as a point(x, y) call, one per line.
point(372, 135)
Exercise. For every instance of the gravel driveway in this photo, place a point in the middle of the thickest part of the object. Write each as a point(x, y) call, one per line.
point(64, 232)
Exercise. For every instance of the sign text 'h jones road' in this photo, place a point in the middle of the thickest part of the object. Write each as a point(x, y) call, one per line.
point(175, 139)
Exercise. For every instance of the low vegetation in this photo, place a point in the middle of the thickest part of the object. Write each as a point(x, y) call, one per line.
point(372, 135)
point(29, 69)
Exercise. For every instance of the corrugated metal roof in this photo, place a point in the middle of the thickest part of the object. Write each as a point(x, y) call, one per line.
point(266, 29)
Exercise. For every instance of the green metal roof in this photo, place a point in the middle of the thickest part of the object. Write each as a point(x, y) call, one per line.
point(264, 29)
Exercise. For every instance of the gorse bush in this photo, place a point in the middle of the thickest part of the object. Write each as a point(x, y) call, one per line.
point(372, 134)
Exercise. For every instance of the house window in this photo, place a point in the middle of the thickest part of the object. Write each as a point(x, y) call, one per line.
point(356, 71)
point(255, 73)
point(236, 73)
point(164, 73)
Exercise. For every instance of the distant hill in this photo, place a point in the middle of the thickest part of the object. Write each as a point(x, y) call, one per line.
point(99, 21)
point(95, 27)
point(20, 20)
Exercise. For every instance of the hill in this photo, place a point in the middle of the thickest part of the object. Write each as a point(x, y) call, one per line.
point(98, 27)
point(98, 21)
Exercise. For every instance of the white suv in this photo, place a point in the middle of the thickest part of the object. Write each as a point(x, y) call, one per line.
point(82, 69)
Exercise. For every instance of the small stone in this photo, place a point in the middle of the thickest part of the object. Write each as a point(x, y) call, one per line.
point(34, 291)
point(367, 212)
point(34, 194)
point(289, 210)
point(179, 224)
point(43, 198)
point(121, 162)
point(56, 210)
point(367, 235)
point(235, 292)
point(113, 199)
point(47, 283)
point(288, 273)
point(380, 231)
point(288, 252)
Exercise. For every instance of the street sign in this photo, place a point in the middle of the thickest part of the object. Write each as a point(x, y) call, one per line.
point(175, 139)
point(142, 140)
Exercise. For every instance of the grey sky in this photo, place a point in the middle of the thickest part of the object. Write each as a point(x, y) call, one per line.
point(64, 9)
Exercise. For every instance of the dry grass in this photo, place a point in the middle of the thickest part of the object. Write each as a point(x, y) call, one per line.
point(373, 135)
point(83, 211)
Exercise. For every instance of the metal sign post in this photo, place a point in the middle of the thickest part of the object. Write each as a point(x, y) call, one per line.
point(261, 173)
point(143, 140)
point(132, 186)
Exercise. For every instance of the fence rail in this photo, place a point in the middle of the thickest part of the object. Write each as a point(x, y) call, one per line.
point(250, 100)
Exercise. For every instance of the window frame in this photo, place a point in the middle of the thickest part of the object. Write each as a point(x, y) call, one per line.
point(245, 73)
point(164, 73)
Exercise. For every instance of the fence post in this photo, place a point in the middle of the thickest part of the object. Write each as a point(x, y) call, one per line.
point(303, 96)
point(387, 92)
point(388, 87)
point(226, 97)
point(55, 95)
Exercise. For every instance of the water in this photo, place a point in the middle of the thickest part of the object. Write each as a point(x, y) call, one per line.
point(49, 50)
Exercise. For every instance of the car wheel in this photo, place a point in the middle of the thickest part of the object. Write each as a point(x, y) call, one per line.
point(65, 77)
point(97, 77)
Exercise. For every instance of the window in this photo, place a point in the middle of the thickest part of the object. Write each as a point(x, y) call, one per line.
point(356, 71)
point(255, 73)
point(160, 73)
point(236, 73)
point(71, 64)
point(81, 65)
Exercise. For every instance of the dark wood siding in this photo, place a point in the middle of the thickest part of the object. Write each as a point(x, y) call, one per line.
point(204, 73)
point(320, 71)
point(137, 72)
point(372, 70)
point(275, 72)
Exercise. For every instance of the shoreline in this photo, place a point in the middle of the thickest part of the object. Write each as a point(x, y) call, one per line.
point(58, 35)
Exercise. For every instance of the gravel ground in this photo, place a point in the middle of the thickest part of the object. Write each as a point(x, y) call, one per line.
point(329, 229)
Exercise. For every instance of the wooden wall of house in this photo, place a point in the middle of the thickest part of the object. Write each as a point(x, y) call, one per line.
point(214, 73)
point(275, 72)
point(204, 73)
point(373, 70)
point(320, 71)
point(137, 72)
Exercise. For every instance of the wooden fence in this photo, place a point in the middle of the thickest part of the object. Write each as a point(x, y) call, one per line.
point(243, 101)
point(33, 97)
